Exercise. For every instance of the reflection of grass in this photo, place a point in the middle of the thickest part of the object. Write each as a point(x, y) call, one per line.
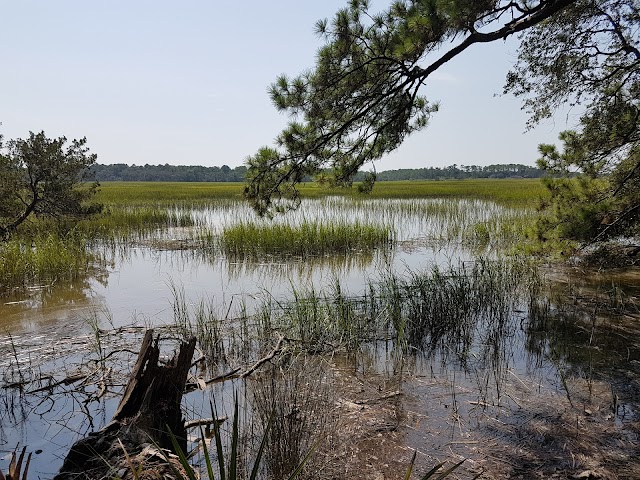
point(308, 238)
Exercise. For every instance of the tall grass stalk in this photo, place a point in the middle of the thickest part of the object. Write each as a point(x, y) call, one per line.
point(230, 463)
point(200, 320)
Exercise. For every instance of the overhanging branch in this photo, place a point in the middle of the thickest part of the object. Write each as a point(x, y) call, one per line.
point(529, 19)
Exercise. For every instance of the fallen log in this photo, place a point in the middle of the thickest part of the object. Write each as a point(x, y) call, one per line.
point(138, 438)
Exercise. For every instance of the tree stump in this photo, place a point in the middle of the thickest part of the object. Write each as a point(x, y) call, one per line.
point(139, 429)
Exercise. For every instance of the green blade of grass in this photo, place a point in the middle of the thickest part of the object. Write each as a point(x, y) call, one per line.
point(411, 464)
point(299, 468)
point(218, 437)
point(449, 470)
point(207, 457)
point(263, 443)
point(233, 459)
point(181, 455)
point(432, 472)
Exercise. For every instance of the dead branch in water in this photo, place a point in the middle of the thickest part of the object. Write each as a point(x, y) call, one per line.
point(262, 361)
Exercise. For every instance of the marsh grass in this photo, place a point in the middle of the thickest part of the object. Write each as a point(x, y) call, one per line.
point(465, 310)
point(293, 404)
point(506, 230)
point(511, 192)
point(508, 192)
point(309, 238)
point(212, 218)
point(462, 314)
point(449, 309)
point(42, 260)
point(132, 223)
point(132, 194)
point(48, 251)
point(200, 319)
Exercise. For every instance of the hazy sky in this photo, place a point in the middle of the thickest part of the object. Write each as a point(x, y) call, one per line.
point(185, 82)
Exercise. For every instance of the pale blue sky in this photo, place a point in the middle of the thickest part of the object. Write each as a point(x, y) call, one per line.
point(185, 82)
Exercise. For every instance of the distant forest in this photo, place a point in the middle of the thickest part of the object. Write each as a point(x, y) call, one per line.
point(180, 173)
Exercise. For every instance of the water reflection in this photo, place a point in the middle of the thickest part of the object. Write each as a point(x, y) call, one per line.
point(52, 306)
point(441, 361)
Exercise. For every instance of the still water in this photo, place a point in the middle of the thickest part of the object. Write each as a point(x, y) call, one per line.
point(537, 367)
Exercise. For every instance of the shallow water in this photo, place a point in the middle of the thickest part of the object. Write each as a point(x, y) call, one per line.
point(445, 405)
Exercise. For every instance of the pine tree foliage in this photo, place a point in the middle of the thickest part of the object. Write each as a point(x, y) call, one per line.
point(363, 98)
point(589, 55)
point(39, 176)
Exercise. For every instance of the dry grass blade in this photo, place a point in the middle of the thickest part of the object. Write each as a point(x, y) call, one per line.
point(15, 467)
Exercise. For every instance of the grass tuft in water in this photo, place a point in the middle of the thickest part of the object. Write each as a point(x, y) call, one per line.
point(308, 238)
point(43, 260)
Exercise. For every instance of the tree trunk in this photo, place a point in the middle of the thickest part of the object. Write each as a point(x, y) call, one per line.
point(139, 429)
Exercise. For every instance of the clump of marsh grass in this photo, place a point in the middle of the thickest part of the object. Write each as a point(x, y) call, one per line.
point(293, 404)
point(320, 321)
point(504, 229)
point(47, 251)
point(228, 463)
point(43, 259)
point(308, 238)
point(449, 308)
point(466, 310)
point(133, 223)
point(441, 308)
point(167, 194)
point(199, 320)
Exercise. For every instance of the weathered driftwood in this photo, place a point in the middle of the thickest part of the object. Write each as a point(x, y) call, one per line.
point(139, 431)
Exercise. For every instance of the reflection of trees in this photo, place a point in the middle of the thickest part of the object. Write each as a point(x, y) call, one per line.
point(583, 332)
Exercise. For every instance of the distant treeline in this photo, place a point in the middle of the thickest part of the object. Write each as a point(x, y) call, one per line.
point(511, 170)
point(121, 172)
